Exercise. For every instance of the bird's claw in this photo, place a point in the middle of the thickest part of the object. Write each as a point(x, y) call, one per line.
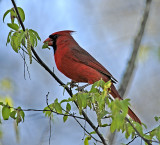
point(79, 88)
point(73, 84)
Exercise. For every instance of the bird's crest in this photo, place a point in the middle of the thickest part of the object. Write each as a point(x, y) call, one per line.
point(63, 32)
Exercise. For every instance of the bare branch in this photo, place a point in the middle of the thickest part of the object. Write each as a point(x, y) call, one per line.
point(137, 41)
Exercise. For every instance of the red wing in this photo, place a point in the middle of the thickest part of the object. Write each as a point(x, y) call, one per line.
point(81, 55)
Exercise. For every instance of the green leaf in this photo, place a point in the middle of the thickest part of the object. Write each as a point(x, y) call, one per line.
point(13, 114)
point(157, 118)
point(9, 37)
point(35, 33)
point(45, 45)
point(158, 133)
point(57, 106)
point(6, 112)
point(103, 113)
point(93, 132)
point(113, 126)
point(48, 113)
point(64, 100)
point(21, 13)
point(5, 14)
point(13, 26)
point(68, 107)
point(13, 15)
point(86, 141)
point(16, 40)
point(65, 117)
point(79, 101)
point(22, 114)
point(104, 125)
point(139, 128)
point(107, 85)
point(18, 118)
point(33, 38)
point(144, 125)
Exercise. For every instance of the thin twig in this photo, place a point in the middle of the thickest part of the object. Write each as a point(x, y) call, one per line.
point(139, 136)
point(72, 114)
point(25, 64)
point(87, 131)
point(58, 80)
point(50, 130)
point(144, 139)
point(28, 54)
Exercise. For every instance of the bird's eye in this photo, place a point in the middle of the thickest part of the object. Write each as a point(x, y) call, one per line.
point(54, 37)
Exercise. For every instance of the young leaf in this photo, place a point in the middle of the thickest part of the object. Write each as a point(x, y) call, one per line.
point(64, 100)
point(93, 132)
point(68, 107)
point(35, 33)
point(86, 141)
point(57, 106)
point(13, 114)
point(113, 126)
point(65, 117)
point(157, 118)
point(22, 14)
point(48, 113)
point(22, 114)
point(9, 37)
point(13, 15)
point(33, 38)
point(45, 45)
point(16, 40)
point(18, 118)
point(5, 14)
point(6, 112)
point(13, 26)
point(104, 125)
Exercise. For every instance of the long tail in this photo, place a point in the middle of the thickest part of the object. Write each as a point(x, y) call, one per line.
point(115, 94)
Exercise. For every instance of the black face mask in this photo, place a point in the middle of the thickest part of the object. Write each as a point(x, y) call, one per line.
point(54, 38)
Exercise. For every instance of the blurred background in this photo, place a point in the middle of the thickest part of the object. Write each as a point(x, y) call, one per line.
point(106, 29)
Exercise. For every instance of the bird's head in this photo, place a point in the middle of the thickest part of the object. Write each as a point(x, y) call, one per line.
point(51, 41)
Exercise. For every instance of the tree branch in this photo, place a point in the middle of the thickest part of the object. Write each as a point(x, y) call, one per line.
point(145, 140)
point(58, 80)
point(131, 63)
point(137, 41)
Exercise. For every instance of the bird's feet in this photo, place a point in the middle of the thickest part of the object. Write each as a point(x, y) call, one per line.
point(73, 84)
point(79, 88)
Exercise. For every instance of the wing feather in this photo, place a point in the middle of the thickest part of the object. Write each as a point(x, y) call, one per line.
point(81, 55)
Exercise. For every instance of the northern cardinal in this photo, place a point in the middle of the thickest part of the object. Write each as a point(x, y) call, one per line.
point(78, 65)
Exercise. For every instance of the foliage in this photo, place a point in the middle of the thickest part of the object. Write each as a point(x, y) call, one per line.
point(96, 99)
point(6, 102)
point(17, 37)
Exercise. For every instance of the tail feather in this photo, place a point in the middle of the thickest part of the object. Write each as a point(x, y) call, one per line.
point(115, 94)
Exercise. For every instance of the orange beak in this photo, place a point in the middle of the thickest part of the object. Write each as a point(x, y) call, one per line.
point(49, 41)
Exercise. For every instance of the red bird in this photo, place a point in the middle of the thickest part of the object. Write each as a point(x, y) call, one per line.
point(78, 65)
